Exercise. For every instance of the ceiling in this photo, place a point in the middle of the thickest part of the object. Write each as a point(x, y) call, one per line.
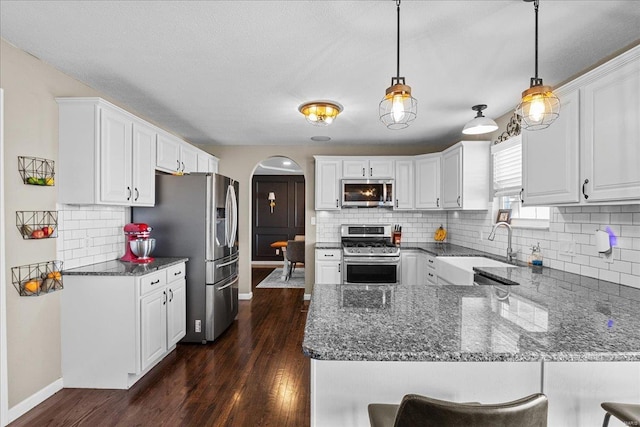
point(235, 72)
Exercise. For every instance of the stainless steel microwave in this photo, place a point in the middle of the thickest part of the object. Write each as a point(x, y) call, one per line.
point(367, 193)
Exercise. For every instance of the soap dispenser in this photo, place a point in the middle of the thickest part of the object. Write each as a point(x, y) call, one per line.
point(536, 255)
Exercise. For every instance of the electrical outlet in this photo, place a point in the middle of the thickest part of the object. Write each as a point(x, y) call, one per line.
point(198, 325)
point(567, 247)
point(277, 251)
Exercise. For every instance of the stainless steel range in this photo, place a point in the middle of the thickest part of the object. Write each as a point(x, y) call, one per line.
point(368, 254)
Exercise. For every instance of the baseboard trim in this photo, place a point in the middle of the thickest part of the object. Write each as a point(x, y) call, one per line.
point(34, 400)
point(246, 297)
point(307, 297)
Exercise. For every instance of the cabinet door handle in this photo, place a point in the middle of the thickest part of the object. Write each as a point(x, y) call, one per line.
point(178, 168)
point(396, 203)
point(438, 202)
point(337, 203)
point(171, 297)
point(339, 268)
point(137, 194)
point(165, 297)
point(458, 200)
point(182, 167)
point(370, 171)
point(586, 181)
point(129, 191)
point(521, 199)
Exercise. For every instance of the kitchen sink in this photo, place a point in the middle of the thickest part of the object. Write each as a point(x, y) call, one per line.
point(458, 270)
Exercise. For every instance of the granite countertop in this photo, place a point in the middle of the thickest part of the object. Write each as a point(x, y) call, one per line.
point(549, 315)
point(121, 268)
point(442, 249)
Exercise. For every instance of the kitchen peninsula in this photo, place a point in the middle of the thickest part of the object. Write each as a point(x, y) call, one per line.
point(574, 338)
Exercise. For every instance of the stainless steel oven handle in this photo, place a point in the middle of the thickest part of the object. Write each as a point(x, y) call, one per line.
point(369, 260)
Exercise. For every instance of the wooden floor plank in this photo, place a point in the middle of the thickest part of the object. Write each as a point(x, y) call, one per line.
point(254, 375)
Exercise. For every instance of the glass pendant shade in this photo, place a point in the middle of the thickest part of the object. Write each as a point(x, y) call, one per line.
point(398, 108)
point(539, 108)
point(320, 113)
point(480, 124)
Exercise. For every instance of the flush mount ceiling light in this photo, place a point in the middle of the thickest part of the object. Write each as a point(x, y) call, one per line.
point(398, 108)
point(539, 106)
point(320, 113)
point(480, 124)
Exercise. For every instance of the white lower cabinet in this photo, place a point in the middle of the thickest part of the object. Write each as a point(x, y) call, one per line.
point(328, 266)
point(116, 328)
point(429, 269)
point(409, 266)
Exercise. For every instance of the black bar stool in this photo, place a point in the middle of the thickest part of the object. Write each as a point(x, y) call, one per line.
point(628, 413)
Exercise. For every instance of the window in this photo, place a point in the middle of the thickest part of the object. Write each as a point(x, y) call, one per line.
point(507, 184)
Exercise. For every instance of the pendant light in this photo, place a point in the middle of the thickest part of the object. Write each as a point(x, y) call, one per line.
point(480, 124)
point(539, 106)
point(398, 108)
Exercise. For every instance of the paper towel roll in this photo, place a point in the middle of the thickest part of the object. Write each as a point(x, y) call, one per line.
point(602, 242)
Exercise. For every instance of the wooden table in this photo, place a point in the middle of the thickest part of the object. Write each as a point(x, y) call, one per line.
point(282, 244)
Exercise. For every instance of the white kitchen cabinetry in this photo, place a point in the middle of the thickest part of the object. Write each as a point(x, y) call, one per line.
point(465, 175)
point(591, 152)
point(427, 181)
point(610, 128)
point(116, 328)
point(404, 185)
point(188, 158)
point(207, 162)
point(328, 266)
point(105, 155)
point(168, 153)
point(174, 155)
point(430, 272)
point(367, 168)
point(328, 175)
point(409, 274)
point(550, 157)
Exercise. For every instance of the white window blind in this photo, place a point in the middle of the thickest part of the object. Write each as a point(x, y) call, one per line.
point(507, 167)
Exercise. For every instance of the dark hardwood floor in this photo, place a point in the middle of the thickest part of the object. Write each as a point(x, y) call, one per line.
point(254, 375)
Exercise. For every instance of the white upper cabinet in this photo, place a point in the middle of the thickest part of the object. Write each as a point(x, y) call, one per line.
point(465, 175)
point(105, 155)
point(550, 157)
point(591, 153)
point(367, 168)
point(404, 185)
point(203, 162)
point(427, 181)
point(328, 174)
point(143, 170)
point(611, 134)
point(168, 153)
point(188, 158)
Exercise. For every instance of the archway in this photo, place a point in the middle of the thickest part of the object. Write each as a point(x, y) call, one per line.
point(278, 208)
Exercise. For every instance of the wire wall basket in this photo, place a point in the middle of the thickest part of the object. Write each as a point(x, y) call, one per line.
point(36, 171)
point(37, 224)
point(37, 279)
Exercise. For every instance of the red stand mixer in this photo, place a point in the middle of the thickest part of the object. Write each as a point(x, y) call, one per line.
point(138, 245)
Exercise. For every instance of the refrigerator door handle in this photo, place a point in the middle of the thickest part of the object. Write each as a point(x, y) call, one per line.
point(235, 261)
point(227, 208)
point(236, 280)
point(233, 215)
point(211, 220)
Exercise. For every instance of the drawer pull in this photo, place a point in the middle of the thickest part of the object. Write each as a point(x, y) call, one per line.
point(331, 255)
point(155, 282)
point(431, 261)
point(177, 273)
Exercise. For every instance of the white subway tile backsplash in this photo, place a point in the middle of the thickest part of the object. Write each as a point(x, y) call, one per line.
point(90, 234)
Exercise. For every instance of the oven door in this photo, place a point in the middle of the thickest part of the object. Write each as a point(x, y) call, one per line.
point(371, 270)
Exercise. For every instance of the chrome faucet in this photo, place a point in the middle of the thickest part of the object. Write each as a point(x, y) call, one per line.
point(511, 254)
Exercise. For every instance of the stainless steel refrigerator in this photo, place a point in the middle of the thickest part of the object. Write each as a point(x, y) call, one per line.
point(196, 216)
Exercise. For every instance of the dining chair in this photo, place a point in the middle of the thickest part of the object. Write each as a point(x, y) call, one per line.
point(422, 411)
point(628, 413)
point(295, 254)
